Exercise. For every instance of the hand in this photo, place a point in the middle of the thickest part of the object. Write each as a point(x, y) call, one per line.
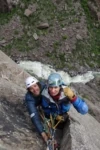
point(45, 137)
point(59, 118)
point(69, 93)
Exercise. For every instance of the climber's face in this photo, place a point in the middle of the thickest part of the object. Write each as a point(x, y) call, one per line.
point(34, 89)
point(53, 91)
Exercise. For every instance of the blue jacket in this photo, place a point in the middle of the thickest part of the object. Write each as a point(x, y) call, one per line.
point(32, 102)
point(62, 105)
point(50, 107)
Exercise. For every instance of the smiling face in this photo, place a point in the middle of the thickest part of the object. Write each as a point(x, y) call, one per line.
point(53, 90)
point(34, 89)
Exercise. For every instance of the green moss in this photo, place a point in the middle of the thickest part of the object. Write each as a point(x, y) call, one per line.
point(92, 45)
point(58, 59)
point(76, 20)
point(64, 37)
point(69, 3)
point(48, 12)
point(20, 44)
point(5, 17)
point(56, 44)
point(8, 47)
point(16, 32)
point(45, 12)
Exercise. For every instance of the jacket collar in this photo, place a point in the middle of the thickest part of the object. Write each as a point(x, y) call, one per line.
point(47, 95)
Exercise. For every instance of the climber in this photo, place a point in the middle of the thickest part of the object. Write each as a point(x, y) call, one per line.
point(55, 98)
point(33, 99)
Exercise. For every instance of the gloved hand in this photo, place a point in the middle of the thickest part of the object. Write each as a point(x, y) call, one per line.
point(69, 93)
point(59, 118)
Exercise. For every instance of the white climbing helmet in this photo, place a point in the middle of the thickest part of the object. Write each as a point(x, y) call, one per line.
point(30, 81)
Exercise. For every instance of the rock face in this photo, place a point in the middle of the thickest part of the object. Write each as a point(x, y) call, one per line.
point(83, 133)
point(16, 130)
point(91, 93)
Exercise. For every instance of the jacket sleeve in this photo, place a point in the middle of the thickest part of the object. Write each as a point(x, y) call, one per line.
point(34, 114)
point(80, 105)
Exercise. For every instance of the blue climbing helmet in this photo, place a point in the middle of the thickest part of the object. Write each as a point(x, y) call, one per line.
point(54, 80)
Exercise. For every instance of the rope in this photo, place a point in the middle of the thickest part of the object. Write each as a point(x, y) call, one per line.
point(49, 124)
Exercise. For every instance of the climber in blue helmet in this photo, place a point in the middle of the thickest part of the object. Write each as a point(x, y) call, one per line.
point(55, 98)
